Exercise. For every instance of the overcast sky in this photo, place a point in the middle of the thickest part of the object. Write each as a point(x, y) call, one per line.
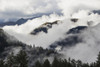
point(12, 9)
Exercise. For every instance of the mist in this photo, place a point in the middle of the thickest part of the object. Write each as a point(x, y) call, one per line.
point(87, 50)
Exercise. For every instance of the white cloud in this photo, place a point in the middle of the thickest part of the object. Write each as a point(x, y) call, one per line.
point(25, 8)
point(87, 50)
point(76, 8)
point(71, 6)
point(23, 31)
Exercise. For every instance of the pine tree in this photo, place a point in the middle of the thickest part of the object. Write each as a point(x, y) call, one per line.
point(22, 59)
point(79, 63)
point(46, 63)
point(65, 63)
point(37, 64)
point(93, 64)
point(55, 62)
point(2, 63)
point(85, 65)
point(73, 63)
point(11, 60)
point(98, 60)
point(69, 63)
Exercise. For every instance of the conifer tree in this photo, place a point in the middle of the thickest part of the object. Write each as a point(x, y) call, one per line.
point(37, 64)
point(22, 59)
point(2, 63)
point(98, 60)
point(46, 63)
point(79, 63)
point(55, 62)
point(11, 60)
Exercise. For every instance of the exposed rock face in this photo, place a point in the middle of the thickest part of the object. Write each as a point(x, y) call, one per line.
point(10, 23)
point(71, 40)
point(44, 27)
point(76, 30)
point(74, 20)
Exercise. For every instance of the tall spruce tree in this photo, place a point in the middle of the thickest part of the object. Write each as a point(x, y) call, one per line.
point(2, 63)
point(37, 64)
point(22, 59)
point(98, 60)
point(55, 62)
point(46, 63)
point(11, 60)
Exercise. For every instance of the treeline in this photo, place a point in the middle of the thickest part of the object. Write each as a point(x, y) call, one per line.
point(67, 63)
point(21, 60)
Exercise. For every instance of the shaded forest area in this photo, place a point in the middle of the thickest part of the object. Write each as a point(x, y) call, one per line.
point(21, 60)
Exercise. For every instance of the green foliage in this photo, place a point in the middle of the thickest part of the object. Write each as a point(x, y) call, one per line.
point(11, 62)
point(46, 63)
point(98, 60)
point(38, 64)
point(55, 62)
point(68, 63)
point(2, 63)
point(21, 60)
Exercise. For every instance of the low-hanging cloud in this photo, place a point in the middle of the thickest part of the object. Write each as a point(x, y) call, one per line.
point(82, 10)
point(22, 32)
point(88, 49)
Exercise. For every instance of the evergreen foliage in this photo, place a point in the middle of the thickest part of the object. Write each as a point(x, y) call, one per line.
point(21, 60)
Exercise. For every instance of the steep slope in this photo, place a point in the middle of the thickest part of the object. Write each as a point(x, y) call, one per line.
point(63, 35)
point(10, 23)
point(71, 40)
point(44, 27)
point(8, 45)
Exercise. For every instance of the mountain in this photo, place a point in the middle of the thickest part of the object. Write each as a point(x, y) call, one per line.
point(64, 36)
point(44, 27)
point(97, 11)
point(18, 22)
point(70, 40)
point(9, 45)
point(71, 37)
point(76, 30)
point(23, 20)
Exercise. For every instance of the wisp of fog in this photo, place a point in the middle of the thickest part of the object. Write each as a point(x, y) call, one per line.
point(81, 9)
